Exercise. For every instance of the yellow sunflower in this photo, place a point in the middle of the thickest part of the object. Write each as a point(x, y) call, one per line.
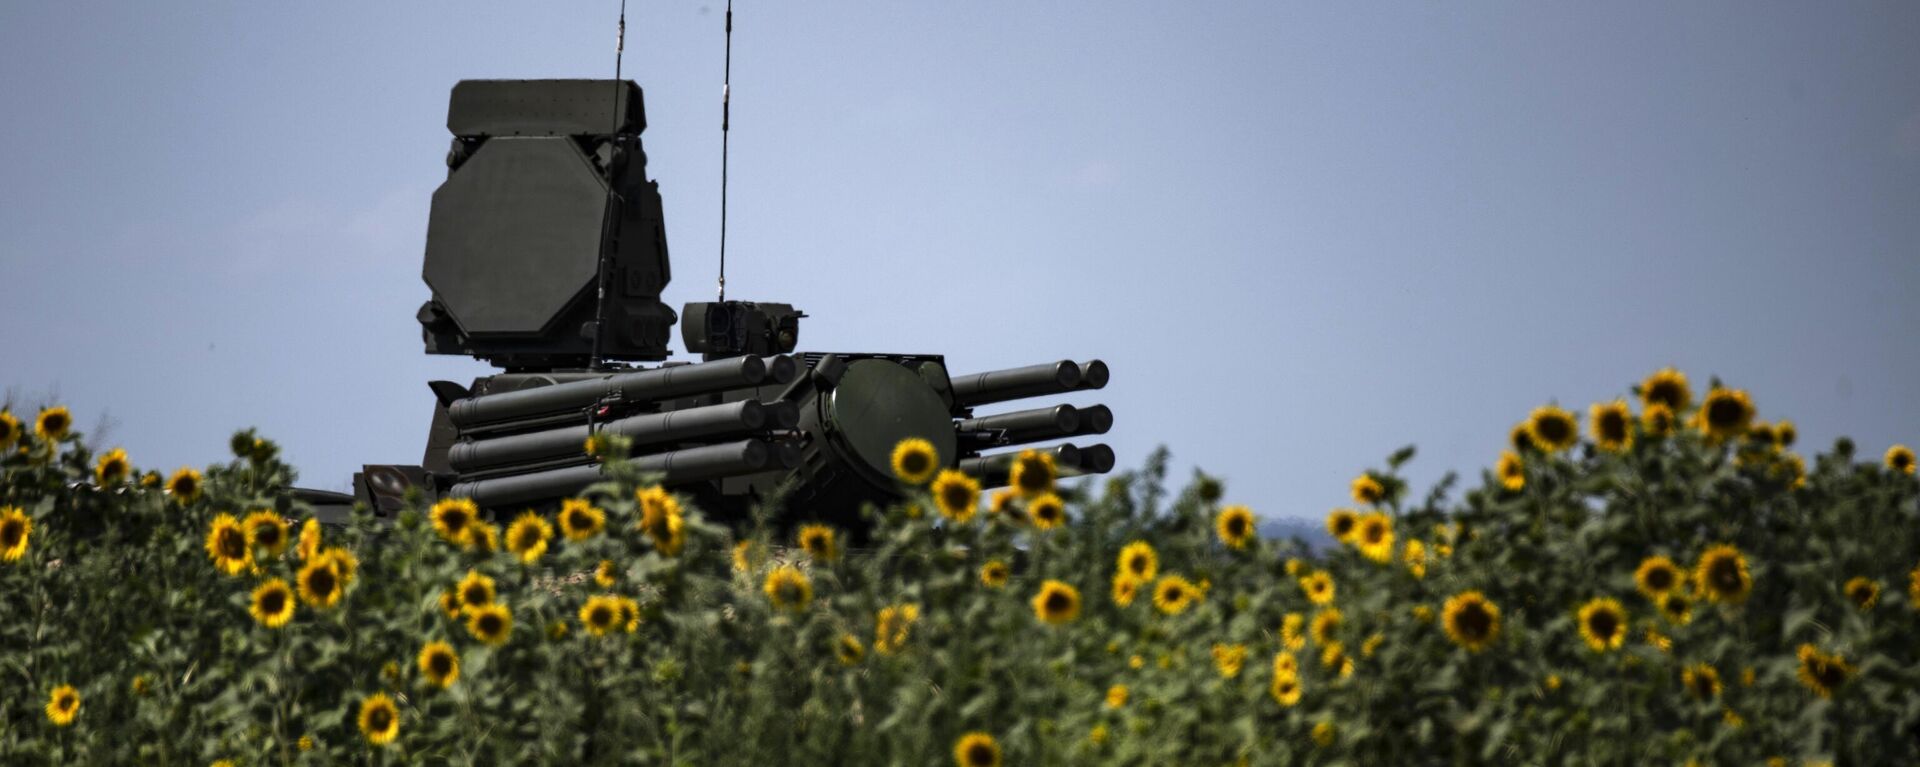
point(9, 429)
point(319, 583)
point(491, 623)
point(606, 574)
point(1173, 594)
point(1656, 577)
point(450, 605)
point(1603, 624)
point(745, 555)
point(1057, 603)
point(580, 520)
point(1326, 625)
point(1415, 557)
point(1285, 664)
point(1725, 413)
point(994, 573)
point(600, 615)
point(1702, 680)
point(272, 603)
point(1047, 511)
point(1372, 644)
point(1367, 490)
point(1294, 566)
point(849, 650)
point(662, 519)
point(976, 749)
point(1822, 673)
point(1033, 473)
point(1293, 631)
point(1863, 592)
point(788, 588)
point(1139, 561)
point(1666, 387)
point(956, 495)
point(1000, 505)
point(1374, 537)
point(1229, 658)
point(309, 545)
point(342, 561)
point(527, 537)
point(63, 704)
point(453, 519)
point(1117, 696)
point(1900, 459)
point(1510, 470)
point(1552, 428)
point(1235, 526)
point(1333, 655)
point(1520, 440)
point(1657, 420)
point(53, 424)
point(1285, 689)
point(914, 460)
point(185, 486)
point(227, 545)
point(113, 468)
point(596, 446)
point(439, 664)
point(379, 719)
point(629, 613)
point(1612, 426)
point(1318, 587)
point(267, 530)
point(891, 625)
point(15, 528)
point(1721, 575)
point(1471, 620)
point(475, 590)
point(1124, 589)
point(1341, 523)
point(818, 542)
point(1677, 608)
point(1784, 433)
point(484, 537)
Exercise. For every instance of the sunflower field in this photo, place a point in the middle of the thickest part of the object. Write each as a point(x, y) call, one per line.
point(1661, 581)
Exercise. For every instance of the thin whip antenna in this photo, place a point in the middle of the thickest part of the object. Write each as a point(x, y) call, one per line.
point(612, 207)
point(726, 101)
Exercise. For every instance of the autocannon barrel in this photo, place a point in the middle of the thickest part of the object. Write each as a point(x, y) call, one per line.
point(637, 386)
point(1015, 383)
point(732, 419)
point(1094, 420)
point(1094, 459)
point(679, 466)
point(1093, 375)
point(1027, 425)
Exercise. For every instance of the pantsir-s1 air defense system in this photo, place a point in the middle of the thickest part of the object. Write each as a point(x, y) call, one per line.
point(547, 255)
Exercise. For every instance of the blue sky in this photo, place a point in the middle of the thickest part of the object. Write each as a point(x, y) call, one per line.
point(1302, 234)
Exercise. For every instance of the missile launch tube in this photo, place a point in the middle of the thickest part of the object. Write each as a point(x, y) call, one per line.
point(636, 386)
point(1028, 425)
point(733, 419)
point(1016, 383)
point(679, 466)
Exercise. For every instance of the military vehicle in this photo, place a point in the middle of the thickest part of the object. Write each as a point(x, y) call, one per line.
point(546, 256)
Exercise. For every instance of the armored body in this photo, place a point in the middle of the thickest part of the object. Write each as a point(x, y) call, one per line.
point(547, 255)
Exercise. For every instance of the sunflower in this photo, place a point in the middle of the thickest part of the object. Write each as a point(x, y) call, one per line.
point(227, 545)
point(1367, 490)
point(1677, 609)
point(112, 468)
point(1521, 440)
point(1822, 673)
point(379, 719)
point(1057, 603)
point(1340, 524)
point(1285, 689)
point(1657, 420)
point(1725, 413)
point(1666, 387)
point(1863, 592)
point(1471, 621)
point(1117, 696)
point(1656, 577)
point(308, 546)
point(1511, 471)
point(53, 423)
point(914, 460)
point(319, 584)
point(1422, 613)
point(848, 650)
point(185, 486)
point(1702, 680)
point(1292, 632)
point(1229, 658)
point(15, 528)
point(1900, 458)
point(786, 587)
point(1294, 566)
point(745, 553)
point(994, 573)
point(1047, 511)
point(891, 625)
point(1552, 429)
point(63, 704)
point(1033, 473)
point(1333, 655)
point(9, 429)
point(1375, 537)
point(1318, 586)
point(450, 605)
point(1603, 624)
point(629, 613)
point(1323, 733)
point(342, 561)
point(440, 664)
point(1761, 435)
point(1721, 575)
point(1326, 625)
point(662, 520)
point(1372, 644)
point(267, 530)
point(956, 495)
point(527, 537)
point(272, 603)
point(1659, 641)
point(1000, 505)
point(474, 590)
point(600, 615)
point(606, 574)
point(818, 542)
point(1415, 557)
point(1139, 561)
point(491, 623)
point(580, 520)
point(1235, 526)
point(1173, 594)
point(976, 749)
point(596, 446)
point(453, 519)
point(485, 537)
point(1612, 426)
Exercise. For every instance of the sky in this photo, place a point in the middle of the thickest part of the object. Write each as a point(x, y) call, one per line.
point(1301, 234)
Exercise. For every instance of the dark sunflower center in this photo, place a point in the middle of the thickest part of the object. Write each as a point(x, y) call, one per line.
point(916, 462)
point(1318, 587)
point(1059, 602)
point(1033, 475)
point(475, 595)
point(1603, 623)
point(601, 616)
point(269, 535)
point(955, 496)
point(68, 702)
point(1861, 593)
point(55, 423)
point(1374, 533)
point(1703, 685)
point(980, 754)
point(11, 531)
point(1473, 621)
point(232, 543)
point(1236, 526)
point(1828, 673)
point(455, 520)
point(320, 581)
point(1553, 428)
point(526, 539)
point(578, 520)
point(1048, 512)
point(1675, 605)
point(441, 664)
point(185, 486)
point(1660, 579)
point(789, 591)
point(378, 719)
point(490, 624)
point(1522, 440)
point(1902, 461)
point(1172, 593)
point(273, 601)
point(1724, 412)
point(1342, 526)
point(1613, 426)
point(114, 467)
point(1725, 575)
point(1664, 392)
point(1138, 565)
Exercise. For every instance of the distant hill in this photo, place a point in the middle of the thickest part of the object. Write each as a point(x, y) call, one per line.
point(1309, 530)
